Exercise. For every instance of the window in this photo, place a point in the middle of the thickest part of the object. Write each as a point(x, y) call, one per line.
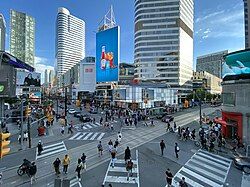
point(228, 99)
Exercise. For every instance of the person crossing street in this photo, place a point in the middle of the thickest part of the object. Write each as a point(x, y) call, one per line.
point(176, 149)
point(79, 168)
point(83, 158)
point(56, 165)
point(162, 146)
point(169, 177)
point(66, 162)
point(100, 148)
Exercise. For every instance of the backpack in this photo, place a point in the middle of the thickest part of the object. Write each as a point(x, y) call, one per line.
point(177, 148)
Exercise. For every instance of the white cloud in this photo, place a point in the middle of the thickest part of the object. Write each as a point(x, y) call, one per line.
point(41, 65)
point(226, 23)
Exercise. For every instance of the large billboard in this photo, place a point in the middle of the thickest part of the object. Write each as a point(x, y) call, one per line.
point(236, 65)
point(119, 94)
point(28, 79)
point(107, 55)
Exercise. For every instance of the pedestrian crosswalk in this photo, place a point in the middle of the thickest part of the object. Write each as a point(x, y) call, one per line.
point(75, 183)
point(87, 136)
point(86, 126)
point(118, 173)
point(204, 169)
point(51, 150)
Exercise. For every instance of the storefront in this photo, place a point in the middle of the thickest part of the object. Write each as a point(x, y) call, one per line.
point(231, 123)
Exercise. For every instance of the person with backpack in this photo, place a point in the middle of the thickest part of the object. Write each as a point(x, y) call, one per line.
point(129, 168)
point(66, 162)
point(162, 146)
point(169, 177)
point(183, 183)
point(127, 154)
point(176, 149)
point(83, 158)
point(113, 157)
point(32, 172)
point(100, 148)
point(56, 165)
point(79, 168)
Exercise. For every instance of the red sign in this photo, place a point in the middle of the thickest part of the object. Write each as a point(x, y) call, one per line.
point(88, 70)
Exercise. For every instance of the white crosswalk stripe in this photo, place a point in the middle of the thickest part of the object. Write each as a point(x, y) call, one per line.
point(87, 136)
point(51, 150)
point(118, 173)
point(204, 169)
point(86, 126)
point(75, 183)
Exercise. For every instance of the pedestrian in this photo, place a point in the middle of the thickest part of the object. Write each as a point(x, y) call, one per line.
point(19, 138)
point(93, 120)
point(70, 128)
point(162, 146)
point(183, 183)
point(169, 177)
point(25, 136)
point(116, 143)
point(112, 127)
point(66, 162)
point(101, 120)
point(83, 158)
point(179, 131)
point(39, 147)
point(168, 126)
point(113, 158)
point(119, 137)
point(152, 122)
point(62, 130)
point(100, 148)
point(127, 154)
point(175, 126)
point(78, 169)
point(176, 149)
point(32, 172)
point(129, 168)
point(56, 165)
point(110, 145)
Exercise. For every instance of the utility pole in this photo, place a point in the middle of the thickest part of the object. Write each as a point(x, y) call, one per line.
point(1, 112)
point(200, 112)
point(28, 126)
point(22, 101)
point(65, 100)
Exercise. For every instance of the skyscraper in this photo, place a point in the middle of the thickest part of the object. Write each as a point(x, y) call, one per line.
point(163, 38)
point(22, 36)
point(51, 76)
point(247, 26)
point(46, 77)
point(70, 41)
point(2, 33)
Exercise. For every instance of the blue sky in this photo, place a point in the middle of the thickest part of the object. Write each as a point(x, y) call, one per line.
point(218, 24)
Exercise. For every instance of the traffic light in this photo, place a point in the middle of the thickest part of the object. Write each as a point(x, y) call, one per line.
point(3, 143)
point(27, 111)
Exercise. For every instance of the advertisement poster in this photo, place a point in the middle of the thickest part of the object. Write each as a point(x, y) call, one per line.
point(28, 79)
point(35, 96)
point(119, 94)
point(236, 65)
point(107, 55)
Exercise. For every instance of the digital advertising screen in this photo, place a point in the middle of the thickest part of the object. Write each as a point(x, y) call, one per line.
point(236, 65)
point(28, 79)
point(35, 96)
point(107, 55)
point(119, 94)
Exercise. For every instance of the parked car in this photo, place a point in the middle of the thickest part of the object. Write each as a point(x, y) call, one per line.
point(72, 111)
point(77, 114)
point(167, 118)
point(242, 163)
point(85, 118)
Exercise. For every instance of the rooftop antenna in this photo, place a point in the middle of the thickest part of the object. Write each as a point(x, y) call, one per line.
point(108, 21)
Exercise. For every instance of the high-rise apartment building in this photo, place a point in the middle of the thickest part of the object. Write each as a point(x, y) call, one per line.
point(46, 76)
point(163, 38)
point(2, 33)
point(22, 36)
point(51, 76)
point(247, 26)
point(70, 41)
point(211, 63)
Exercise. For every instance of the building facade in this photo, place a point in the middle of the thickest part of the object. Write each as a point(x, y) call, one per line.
point(51, 76)
point(246, 20)
point(22, 36)
point(126, 73)
point(164, 41)
point(211, 63)
point(70, 41)
point(46, 76)
point(207, 81)
point(2, 33)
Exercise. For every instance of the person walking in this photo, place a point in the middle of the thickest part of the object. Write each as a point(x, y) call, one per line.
point(62, 130)
point(70, 127)
point(183, 183)
point(113, 158)
point(83, 158)
point(119, 137)
point(66, 162)
point(110, 145)
point(25, 136)
point(100, 148)
point(162, 146)
point(39, 147)
point(32, 172)
point(169, 177)
point(79, 168)
point(56, 165)
point(101, 120)
point(127, 154)
point(176, 149)
point(129, 167)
